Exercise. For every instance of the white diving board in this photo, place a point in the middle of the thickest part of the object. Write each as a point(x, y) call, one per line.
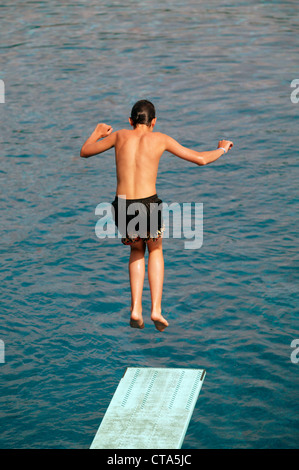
point(150, 409)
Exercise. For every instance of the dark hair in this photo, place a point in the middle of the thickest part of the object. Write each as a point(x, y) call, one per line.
point(143, 112)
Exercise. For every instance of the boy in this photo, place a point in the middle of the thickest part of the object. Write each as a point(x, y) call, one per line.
point(137, 155)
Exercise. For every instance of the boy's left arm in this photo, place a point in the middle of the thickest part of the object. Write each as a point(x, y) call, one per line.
point(94, 145)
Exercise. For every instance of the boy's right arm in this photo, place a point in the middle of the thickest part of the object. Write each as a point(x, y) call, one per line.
point(199, 158)
point(100, 140)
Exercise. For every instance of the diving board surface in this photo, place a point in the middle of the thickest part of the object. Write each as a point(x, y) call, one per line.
point(150, 409)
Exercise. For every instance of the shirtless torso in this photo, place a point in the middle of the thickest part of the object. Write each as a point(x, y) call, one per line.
point(137, 155)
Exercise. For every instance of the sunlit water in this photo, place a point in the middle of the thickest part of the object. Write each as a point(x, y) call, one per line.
point(213, 70)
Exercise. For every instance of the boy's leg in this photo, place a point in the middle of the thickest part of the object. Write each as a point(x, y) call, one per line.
point(137, 272)
point(156, 279)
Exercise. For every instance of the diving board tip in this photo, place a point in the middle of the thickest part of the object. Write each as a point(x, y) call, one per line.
point(150, 409)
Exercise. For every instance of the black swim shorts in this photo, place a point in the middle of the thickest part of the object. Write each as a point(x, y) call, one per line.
point(138, 218)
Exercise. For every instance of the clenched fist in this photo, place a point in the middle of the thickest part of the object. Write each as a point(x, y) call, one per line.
point(226, 144)
point(102, 130)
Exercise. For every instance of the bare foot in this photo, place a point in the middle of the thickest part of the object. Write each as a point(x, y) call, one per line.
point(159, 321)
point(136, 321)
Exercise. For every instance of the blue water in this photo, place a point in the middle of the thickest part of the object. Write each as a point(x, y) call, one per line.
point(214, 69)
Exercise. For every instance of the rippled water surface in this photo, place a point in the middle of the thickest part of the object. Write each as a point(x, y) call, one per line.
point(213, 69)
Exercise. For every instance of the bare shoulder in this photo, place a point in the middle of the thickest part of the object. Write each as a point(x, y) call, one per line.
point(124, 134)
point(160, 137)
point(124, 131)
point(162, 140)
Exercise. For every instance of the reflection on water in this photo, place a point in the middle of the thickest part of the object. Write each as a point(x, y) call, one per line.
point(213, 70)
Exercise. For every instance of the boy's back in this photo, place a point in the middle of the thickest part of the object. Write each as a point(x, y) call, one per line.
point(137, 155)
